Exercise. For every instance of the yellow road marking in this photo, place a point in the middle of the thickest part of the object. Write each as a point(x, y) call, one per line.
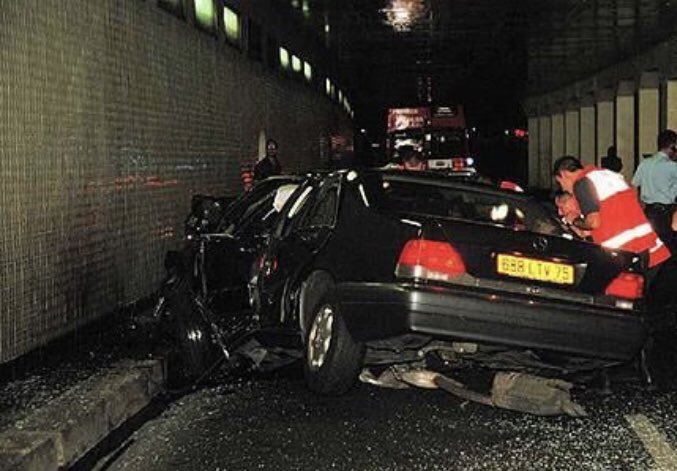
point(654, 442)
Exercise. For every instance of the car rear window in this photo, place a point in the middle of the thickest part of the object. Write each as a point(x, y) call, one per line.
point(432, 198)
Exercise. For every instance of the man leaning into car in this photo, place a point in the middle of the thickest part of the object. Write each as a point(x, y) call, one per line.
point(613, 215)
point(610, 210)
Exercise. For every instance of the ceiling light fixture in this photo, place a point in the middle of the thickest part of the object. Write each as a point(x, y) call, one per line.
point(403, 14)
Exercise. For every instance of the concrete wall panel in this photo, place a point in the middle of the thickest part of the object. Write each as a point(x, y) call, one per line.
point(605, 128)
point(587, 117)
point(572, 133)
point(625, 133)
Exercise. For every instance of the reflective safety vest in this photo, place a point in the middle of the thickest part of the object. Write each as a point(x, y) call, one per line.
point(624, 225)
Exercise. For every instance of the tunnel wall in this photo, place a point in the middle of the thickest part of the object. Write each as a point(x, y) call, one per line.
point(624, 105)
point(112, 113)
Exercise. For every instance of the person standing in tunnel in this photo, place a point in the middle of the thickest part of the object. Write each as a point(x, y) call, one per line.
point(269, 165)
point(412, 160)
point(611, 160)
point(656, 178)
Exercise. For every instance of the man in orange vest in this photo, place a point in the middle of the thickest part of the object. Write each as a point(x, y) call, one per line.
point(615, 219)
point(610, 210)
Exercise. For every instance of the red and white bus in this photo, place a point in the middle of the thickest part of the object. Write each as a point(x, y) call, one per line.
point(438, 132)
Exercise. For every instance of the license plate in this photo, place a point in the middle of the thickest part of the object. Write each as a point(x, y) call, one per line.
point(532, 269)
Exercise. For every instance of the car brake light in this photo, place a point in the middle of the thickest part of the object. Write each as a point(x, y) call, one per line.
point(267, 266)
point(627, 286)
point(429, 259)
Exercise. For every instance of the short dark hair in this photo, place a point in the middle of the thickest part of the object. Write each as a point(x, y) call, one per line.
point(561, 194)
point(666, 138)
point(271, 141)
point(568, 163)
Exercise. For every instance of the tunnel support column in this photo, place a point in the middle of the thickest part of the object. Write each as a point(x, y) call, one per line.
point(605, 123)
point(647, 101)
point(587, 119)
point(534, 154)
point(671, 104)
point(557, 149)
point(572, 132)
point(625, 127)
point(545, 151)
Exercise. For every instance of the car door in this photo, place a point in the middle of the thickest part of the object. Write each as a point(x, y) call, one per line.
point(299, 237)
point(229, 254)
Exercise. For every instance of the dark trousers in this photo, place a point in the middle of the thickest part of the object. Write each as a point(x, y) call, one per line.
point(660, 217)
point(661, 321)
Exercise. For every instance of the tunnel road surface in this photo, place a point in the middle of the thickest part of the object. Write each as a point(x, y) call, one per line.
point(275, 423)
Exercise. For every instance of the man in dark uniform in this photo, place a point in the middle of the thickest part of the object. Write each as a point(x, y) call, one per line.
point(269, 165)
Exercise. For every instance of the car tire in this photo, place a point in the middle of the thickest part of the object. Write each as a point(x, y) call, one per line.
point(192, 350)
point(332, 359)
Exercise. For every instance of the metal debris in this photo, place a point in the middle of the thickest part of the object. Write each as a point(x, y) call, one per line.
point(387, 379)
point(510, 390)
point(533, 394)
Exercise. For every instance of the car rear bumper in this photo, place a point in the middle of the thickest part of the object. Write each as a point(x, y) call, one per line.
point(375, 311)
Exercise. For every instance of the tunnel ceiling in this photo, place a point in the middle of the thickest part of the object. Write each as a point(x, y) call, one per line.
point(482, 51)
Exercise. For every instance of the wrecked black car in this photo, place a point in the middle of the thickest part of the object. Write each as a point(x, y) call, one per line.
point(204, 301)
point(379, 267)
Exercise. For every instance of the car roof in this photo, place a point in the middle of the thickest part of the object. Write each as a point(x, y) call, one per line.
point(443, 179)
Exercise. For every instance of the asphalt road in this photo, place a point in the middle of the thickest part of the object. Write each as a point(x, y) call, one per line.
point(273, 422)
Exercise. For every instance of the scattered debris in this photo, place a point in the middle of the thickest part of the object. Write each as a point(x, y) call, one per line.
point(387, 379)
point(533, 394)
point(516, 391)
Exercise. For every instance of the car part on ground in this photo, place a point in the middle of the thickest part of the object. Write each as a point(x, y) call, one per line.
point(510, 390)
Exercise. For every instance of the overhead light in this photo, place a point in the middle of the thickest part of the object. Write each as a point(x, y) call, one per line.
point(284, 58)
point(296, 63)
point(307, 71)
point(403, 14)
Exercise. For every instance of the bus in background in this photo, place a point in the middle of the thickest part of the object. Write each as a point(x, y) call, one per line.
point(438, 132)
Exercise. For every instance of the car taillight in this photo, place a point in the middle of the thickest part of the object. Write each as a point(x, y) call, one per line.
point(267, 266)
point(429, 259)
point(627, 286)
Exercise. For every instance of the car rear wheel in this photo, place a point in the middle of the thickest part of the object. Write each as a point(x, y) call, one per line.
point(332, 358)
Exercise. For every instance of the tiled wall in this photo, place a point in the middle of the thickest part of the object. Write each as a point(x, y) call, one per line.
point(112, 113)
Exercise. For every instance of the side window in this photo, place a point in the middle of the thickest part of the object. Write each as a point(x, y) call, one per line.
point(323, 211)
point(297, 206)
point(240, 206)
point(258, 217)
point(257, 210)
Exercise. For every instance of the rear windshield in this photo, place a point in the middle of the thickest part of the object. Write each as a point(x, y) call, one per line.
point(390, 194)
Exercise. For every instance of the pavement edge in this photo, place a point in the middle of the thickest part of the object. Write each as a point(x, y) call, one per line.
point(58, 434)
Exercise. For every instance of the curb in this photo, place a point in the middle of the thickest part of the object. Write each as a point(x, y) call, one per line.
point(58, 434)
